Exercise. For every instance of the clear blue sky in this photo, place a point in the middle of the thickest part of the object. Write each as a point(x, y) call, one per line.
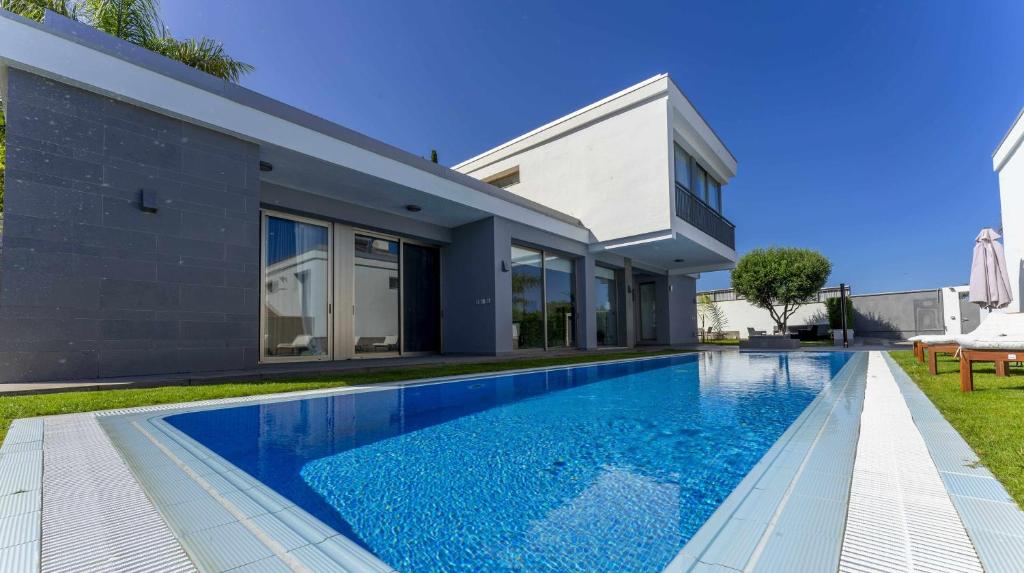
point(863, 129)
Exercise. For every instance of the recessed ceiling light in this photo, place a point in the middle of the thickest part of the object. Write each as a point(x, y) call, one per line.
point(680, 260)
point(413, 208)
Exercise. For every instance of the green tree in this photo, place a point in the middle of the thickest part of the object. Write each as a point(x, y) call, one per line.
point(780, 280)
point(138, 22)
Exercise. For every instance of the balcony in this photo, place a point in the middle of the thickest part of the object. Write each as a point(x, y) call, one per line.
point(699, 214)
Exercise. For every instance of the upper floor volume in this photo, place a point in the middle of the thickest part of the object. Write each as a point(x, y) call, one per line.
point(641, 169)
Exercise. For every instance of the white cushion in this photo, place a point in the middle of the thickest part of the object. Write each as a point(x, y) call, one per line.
point(935, 339)
point(999, 331)
point(994, 344)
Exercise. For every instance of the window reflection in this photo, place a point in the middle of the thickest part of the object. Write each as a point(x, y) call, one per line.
point(560, 295)
point(527, 299)
point(295, 289)
point(376, 295)
point(607, 294)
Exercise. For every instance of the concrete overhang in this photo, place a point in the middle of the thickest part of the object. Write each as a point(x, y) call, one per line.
point(76, 54)
point(674, 251)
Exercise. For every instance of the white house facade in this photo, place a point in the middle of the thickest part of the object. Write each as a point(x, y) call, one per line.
point(1008, 163)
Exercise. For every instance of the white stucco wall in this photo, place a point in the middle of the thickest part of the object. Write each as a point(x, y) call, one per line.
point(740, 315)
point(613, 175)
point(1008, 162)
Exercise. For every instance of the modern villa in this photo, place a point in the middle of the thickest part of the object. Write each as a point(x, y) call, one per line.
point(239, 338)
point(159, 221)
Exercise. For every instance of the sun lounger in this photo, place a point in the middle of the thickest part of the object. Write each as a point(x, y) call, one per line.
point(999, 339)
point(935, 344)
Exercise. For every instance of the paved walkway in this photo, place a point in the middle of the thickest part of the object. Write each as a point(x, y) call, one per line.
point(900, 517)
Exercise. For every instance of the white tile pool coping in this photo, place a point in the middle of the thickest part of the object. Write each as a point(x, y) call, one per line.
point(101, 500)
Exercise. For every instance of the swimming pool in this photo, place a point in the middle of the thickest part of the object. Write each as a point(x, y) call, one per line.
point(593, 468)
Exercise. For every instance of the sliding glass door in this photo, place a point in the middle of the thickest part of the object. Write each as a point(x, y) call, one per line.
point(527, 298)
point(559, 291)
point(543, 299)
point(387, 292)
point(375, 315)
point(606, 291)
point(421, 298)
point(296, 263)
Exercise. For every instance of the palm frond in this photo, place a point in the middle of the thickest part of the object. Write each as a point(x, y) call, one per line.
point(203, 54)
point(137, 21)
point(36, 9)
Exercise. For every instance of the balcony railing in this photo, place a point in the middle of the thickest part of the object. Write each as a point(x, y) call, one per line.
point(699, 214)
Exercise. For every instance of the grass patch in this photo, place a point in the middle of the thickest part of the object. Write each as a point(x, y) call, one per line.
point(14, 407)
point(990, 418)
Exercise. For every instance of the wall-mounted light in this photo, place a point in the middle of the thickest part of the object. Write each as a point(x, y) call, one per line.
point(149, 202)
point(504, 266)
point(266, 166)
point(413, 208)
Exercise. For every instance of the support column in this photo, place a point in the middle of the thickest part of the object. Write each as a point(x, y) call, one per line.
point(628, 298)
point(586, 303)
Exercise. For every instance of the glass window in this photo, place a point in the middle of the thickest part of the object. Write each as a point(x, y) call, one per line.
point(506, 180)
point(714, 194)
point(296, 289)
point(527, 298)
point(375, 320)
point(682, 163)
point(606, 290)
point(700, 182)
point(560, 296)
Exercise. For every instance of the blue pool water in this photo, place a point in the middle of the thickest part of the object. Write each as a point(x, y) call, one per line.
point(598, 468)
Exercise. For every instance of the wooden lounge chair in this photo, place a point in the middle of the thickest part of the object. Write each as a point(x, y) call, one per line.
point(999, 339)
point(933, 344)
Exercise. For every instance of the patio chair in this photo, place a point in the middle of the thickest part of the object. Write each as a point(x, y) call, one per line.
point(752, 332)
point(387, 344)
point(999, 339)
point(934, 344)
point(296, 346)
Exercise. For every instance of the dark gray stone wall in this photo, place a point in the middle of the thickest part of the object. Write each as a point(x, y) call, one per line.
point(898, 315)
point(92, 286)
point(470, 276)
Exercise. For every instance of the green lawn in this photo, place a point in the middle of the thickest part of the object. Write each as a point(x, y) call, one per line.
point(991, 418)
point(14, 407)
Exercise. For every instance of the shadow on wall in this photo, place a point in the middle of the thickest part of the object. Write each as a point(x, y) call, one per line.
point(871, 324)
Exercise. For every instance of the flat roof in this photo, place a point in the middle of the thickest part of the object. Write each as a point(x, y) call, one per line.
point(1009, 143)
point(615, 97)
point(100, 41)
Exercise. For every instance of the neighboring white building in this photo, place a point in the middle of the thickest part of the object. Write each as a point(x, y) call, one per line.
point(1008, 162)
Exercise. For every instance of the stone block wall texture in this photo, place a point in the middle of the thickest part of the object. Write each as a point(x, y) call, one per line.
point(90, 284)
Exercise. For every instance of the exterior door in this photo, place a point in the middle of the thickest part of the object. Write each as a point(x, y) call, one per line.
point(970, 314)
point(648, 313)
point(421, 298)
point(296, 309)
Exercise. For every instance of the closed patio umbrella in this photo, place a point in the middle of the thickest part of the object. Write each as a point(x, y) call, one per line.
point(990, 283)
